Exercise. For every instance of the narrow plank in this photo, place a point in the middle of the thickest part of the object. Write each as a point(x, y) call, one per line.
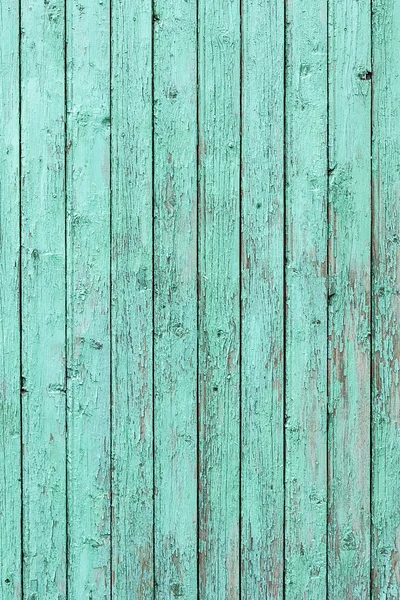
point(88, 291)
point(262, 300)
point(349, 315)
point(132, 331)
point(175, 309)
point(386, 307)
point(43, 298)
point(10, 418)
point(306, 309)
point(219, 287)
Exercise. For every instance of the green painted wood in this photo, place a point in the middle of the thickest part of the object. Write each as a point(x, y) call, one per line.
point(88, 256)
point(386, 309)
point(306, 301)
point(175, 308)
point(262, 491)
point(43, 299)
point(349, 314)
point(10, 418)
point(219, 298)
point(132, 320)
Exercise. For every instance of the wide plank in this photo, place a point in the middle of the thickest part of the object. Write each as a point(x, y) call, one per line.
point(88, 298)
point(10, 375)
point(349, 295)
point(306, 300)
point(262, 387)
point(43, 299)
point(175, 300)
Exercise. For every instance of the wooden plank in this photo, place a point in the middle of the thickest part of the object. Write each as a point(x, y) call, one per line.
point(349, 315)
point(132, 321)
point(306, 309)
point(219, 296)
point(175, 280)
point(43, 299)
point(10, 418)
point(88, 251)
point(386, 308)
point(262, 300)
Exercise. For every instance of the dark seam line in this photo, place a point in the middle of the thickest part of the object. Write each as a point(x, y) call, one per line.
point(152, 16)
point(327, 304)
point(372, 302)
point(20, 293)
point(240, 290)
point(66, 297)
point(284, 386)
point(111, 463)
point(197, 305)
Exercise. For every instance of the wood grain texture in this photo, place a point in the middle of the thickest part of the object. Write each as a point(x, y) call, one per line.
point(262, 387)
point(386, 308)
point(219, 310)
point(349, 293)
point(306, 301)
point(197, 203)
point(88, 254)
point(10, 432)
point(43, 299)
point(132, 291)
point(175, 307)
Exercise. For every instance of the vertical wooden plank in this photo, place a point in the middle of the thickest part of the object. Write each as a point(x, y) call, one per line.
point(386, 306)
point(43, 298)
point(88, 251)
point(132, 269)
point(349, 317)
point(219, 286)
point(175, 279)
point(306, 288)
point(10, 419)
point(262, 299)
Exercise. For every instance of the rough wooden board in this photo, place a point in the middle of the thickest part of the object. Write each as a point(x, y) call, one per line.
point(386, 307)
point(262, 490)
point(88, 254)
point(132, 290)
point(349, 315)
point(306, 303)
point(10, 433)
point(175, 309)
point(219, 319)
point(43, 299)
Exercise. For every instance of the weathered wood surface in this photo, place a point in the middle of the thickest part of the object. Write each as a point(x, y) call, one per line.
point(175, 298)
point(43, 315)
point(88, 299)
point(199, 300)
point(132, 301)
point(10, 337)
point(349, 295)
point(219, 299)
point(262, 408)
point(385, 440)
point(306, 301)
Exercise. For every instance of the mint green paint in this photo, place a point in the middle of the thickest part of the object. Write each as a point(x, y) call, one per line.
point(10, 433)
point(191, 232)
point(219, 298)
point(43, 300)
point(306, 301)
point(175, 299)
point(132, 292)
point(386, 307)
point(88, 292)
point(262, 299)
point(349, 290)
